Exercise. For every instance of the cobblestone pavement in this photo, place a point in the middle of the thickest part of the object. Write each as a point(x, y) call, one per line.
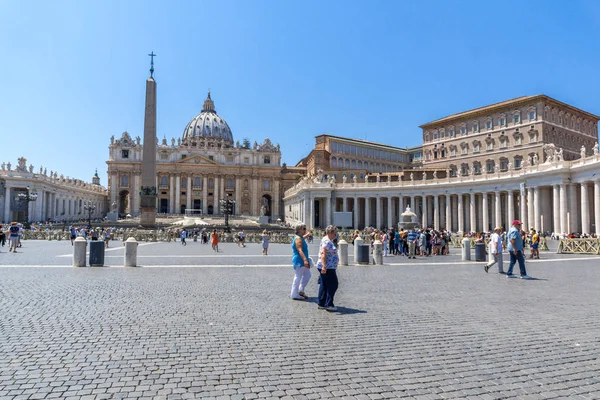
point(435, 330)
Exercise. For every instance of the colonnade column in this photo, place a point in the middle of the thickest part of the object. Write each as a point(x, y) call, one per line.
point(238, 196)
point(448, 212)
point(424, 216)
point(523, 211)
point(530, 215)
point(189, 193)
point(171, 194)
point(472, 213)
point(461, 215)
point(485, 211)
point(355, 211)
point(400, 207)
point(563, 208)
point(378, 212)
point(306, 211)
point(573, 211)
point(367, 212)
point(556, 208)
point(585, 211)
point(498, 208)
point(597, 207)
point(328, 218)
point(511, 207)
point(436, 212)
point(309, 220)
point(390, 211)
point(536, 209)
point(7, 195)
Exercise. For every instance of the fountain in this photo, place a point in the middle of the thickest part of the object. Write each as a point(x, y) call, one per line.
point(408, 220)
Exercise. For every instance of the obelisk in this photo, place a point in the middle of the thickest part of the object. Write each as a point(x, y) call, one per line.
point(148, 190)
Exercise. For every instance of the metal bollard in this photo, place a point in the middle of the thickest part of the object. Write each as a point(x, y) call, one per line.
point(466, 249)
point(343, 245)
point(131, 246)
point(378, 252)
point(79, 247)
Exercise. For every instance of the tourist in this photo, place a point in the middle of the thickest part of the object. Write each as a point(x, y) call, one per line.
point(265, 242)
point(106, 236)
point(535, 244)
point(73, 233)
point(384, 240)
point(327, 265)
point(515, 249)
point(412, 237)
point(214, 239)
point(13, 236)
point(495, 251)
point(2, 236)
point(241, 239)
point(183, 236)
point(301, 263)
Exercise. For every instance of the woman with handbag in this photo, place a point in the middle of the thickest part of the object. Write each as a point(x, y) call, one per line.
point(327, 266)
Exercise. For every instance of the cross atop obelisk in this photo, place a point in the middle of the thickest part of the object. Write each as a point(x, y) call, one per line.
point(152, 55)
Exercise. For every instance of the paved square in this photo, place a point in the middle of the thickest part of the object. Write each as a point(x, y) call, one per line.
point(426, 330)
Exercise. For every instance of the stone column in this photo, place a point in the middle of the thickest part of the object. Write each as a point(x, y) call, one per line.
point(430, 212)
point(413, 207)
point(39, 206)
point(344, 204)
point(378, 211)
point(448, 212)
point(597, 207)
point(367, 212)
point(511, 208)
point(178, 194)
point(172, 194)
point(563, 208)
point(390, 210)
point(328, 218)
point(461, 214)
point(400, 208)
point(277, 200)
point(530, 211)
point(216, 194)
point(485, 212)
point(136, 195)
point(472, 213)
point(424, 211)
point(113, 189)
point(498, 208)
point(204, 194)
point(189, 193)
point(306, 210)
point(573, 209)
point(254, 201)
point(436, 212)
point(355, 211)
point(310, 217)
point(585, 210)
point(523, 210)
point(536, 209)
point(238, 196)
point(556, 208)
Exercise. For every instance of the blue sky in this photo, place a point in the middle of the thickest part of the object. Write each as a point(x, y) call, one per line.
point(73, 72)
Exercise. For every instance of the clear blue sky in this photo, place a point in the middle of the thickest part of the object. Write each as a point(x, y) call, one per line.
point(73, 72)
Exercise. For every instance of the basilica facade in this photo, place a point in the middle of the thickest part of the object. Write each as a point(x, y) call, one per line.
point(198, 169)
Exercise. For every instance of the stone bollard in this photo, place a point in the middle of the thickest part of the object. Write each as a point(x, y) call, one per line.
point(466, 249)
point(343, 245)
point(377, 252)
point(131, 246)
point(79, 247)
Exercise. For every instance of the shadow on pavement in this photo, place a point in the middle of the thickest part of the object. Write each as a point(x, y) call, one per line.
point(346, 310)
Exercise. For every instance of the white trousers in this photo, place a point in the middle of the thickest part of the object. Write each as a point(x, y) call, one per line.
point(301, 279)
point(385, 248)
point(496, 258)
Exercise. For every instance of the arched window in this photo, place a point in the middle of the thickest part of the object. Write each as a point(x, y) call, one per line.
point(353, 164)
point(453, 170)
point(333, 162)
point(347, 163)
point(360, 164)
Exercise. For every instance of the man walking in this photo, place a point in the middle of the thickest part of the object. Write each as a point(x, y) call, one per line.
point(495, 249)
point(515, 249)
point(183, 236)
point(412, 243)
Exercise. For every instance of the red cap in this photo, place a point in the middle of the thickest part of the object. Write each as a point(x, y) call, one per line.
point(517, 222)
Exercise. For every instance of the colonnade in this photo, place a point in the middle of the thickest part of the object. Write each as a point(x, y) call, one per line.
point(557, 207)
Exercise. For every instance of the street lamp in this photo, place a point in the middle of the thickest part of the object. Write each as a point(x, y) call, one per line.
point(90, 208)
point(227, 209)
point(26, 198)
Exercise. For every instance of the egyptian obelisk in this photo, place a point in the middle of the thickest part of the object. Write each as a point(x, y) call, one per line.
point(148, 189)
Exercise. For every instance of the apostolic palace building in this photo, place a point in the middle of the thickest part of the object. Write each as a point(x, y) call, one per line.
point(532, 158)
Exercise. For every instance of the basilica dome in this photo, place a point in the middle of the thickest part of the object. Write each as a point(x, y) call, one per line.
point(208, 124)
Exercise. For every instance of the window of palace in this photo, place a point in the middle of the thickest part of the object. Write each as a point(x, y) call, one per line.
point(360, 164)
point(488, 124)
point(267, 160)
point(124, 153)
point(518, 161)
point(502, 121)
point(164, 156)
point(353, 164)
point(451, 133)
point(229, 183)
point(183, 183)
point(442, 134)
point(516, 118)
point(463, 130)
point(452, 151)
point(333, 162)
point(489, 143)
point(427, 137)
point(453, 170)
point(435, 136)
point(266, 184)
point(347, 163)
point(503, 164)
point(475, 127)
point(518, 139)
point(212, 158)
point(164, 181)
point(197, 182)
point(477, 167)
point(503, 142)
point(476, 146)
point(532, 115)
point(464, 169)
point(464, 149)
point(489, 166)
point(560, 120)
point(246, 160)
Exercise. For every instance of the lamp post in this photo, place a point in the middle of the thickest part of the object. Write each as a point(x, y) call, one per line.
point(89, 208)
point(26, 198)
point(227, 209)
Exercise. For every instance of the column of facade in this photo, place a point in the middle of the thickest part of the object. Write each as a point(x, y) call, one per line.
point(461, 214)
point(436, 212)
point(178, 194)
point(430, 212)
point(390, 209)
point(238, 196)
point(172, 194)
point(472, 213)
point(367, 212)
point(530, 211)
point(563, 208)
point(511, 208)
point(498, 208)
point(485, 212)
point(189, 193)
point(204, 194)
point(400, 207)
point(39, 206)
point(523, 210)
point(536, 209)
point(448, 212)
point(310, 217)
point(597, 207)
point(276, 200)
point(306, 210)
point(378, 212)
point(344, 204)
point(254, 201)
point(585, 209)
point(424, 211)
point(355, 211)
point(556, 208)
point(328, 215)
point(216, 209)
point(136, 195)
